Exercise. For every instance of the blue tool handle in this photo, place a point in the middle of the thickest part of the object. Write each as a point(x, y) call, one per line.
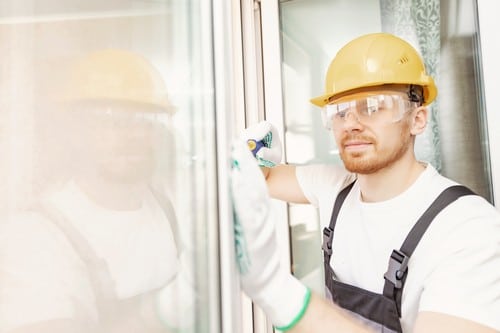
point(255, 146)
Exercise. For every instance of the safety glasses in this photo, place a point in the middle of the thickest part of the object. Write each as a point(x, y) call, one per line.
point(118, 114)
point(368, 109)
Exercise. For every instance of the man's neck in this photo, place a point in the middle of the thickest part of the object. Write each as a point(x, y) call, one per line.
point(391, 181)
point(113, 195)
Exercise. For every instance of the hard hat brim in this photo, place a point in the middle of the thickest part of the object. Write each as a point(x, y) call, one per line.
point(320, 100)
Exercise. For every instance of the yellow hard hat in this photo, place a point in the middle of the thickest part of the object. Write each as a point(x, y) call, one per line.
point(374, 60)
point(116, 75)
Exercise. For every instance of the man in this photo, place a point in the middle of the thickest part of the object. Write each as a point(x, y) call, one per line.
point(99, 251)
point(384, 272)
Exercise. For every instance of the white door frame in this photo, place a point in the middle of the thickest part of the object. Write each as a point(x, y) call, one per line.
point(229, 103)
point(489, 26)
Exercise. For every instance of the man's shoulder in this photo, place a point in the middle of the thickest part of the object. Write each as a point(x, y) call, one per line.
point(33, 232)
point(474, 210)
point(323, 181)
point(468, 222)
point(326, 174)
point(26, 223)
point(467, 206)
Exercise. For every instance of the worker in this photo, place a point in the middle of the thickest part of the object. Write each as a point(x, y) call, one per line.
point(405, 248)
point(99, 253)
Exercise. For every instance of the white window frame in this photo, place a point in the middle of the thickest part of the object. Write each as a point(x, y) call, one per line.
point(490, 53)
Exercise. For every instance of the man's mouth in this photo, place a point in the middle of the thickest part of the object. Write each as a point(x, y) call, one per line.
point(355, 144)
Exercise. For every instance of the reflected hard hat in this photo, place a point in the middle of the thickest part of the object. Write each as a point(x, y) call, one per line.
point(374, 60)
point(117, 75)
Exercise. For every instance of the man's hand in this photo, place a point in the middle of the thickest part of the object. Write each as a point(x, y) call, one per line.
point(282, 297)
point(264, 142)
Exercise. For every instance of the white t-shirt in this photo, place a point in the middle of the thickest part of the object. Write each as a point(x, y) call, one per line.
point(455, 268)
point(42, 277)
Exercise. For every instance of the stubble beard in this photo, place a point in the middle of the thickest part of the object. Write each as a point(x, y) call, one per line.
point(371, 162)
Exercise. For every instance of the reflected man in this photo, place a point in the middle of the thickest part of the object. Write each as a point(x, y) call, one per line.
point(99, 252)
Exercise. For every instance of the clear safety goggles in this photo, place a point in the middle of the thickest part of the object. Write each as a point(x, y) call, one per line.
point(119, 114)
point(367, 109)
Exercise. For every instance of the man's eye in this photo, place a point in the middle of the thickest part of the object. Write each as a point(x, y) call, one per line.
point(368, 111)
point(341, 114)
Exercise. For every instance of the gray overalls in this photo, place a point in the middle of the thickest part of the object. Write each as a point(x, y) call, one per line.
point(382, 310)
point(109, 307)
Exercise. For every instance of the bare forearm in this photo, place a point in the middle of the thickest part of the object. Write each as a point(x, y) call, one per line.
point(265, 171)
point(323, 317)
point(283, 184)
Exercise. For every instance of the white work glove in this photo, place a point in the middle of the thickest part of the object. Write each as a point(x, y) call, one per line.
point(264, 142)
point(270, 285)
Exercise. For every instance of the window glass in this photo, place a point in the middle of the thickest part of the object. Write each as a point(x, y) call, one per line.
point(108, 198)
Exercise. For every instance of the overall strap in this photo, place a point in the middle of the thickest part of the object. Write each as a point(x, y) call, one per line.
point(328, 231)
point(395, 276)
point(169, 211)
point(98, 272)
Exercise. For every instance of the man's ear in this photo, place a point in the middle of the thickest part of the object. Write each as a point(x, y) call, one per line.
point(419, 120)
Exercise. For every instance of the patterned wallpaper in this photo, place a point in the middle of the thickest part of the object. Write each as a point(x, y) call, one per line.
point(418, 22)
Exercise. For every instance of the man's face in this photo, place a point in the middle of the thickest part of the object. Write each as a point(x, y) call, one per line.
point(118, 143)
point(369, 144)
point(123, 152)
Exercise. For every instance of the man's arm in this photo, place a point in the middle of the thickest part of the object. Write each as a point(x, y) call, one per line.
point(432, 322)
point(264, 142)
point(283, 185)
point(323, 317)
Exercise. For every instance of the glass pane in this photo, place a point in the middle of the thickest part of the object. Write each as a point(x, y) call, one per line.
point(108, 198)
point(444, 32)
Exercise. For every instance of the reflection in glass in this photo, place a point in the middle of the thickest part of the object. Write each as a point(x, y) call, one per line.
point(95, 150)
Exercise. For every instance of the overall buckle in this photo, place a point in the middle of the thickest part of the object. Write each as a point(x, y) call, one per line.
point(327, 240)
point(398, 265)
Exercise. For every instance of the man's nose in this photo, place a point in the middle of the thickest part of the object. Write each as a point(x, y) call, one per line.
point(351, 119)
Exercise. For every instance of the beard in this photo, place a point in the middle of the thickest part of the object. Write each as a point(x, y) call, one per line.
point(376, 160)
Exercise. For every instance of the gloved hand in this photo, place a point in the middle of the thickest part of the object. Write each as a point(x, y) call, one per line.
point(264, 140)
point(270, 285)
